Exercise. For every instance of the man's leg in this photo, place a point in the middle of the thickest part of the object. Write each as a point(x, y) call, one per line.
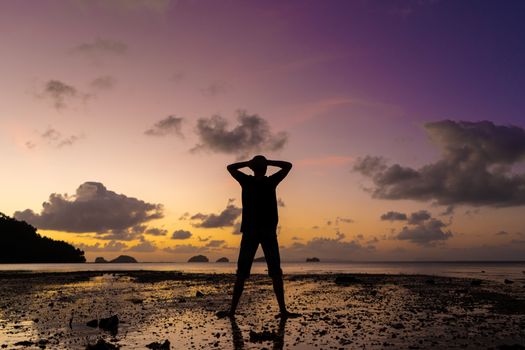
point(244, 263)
point(273, 260)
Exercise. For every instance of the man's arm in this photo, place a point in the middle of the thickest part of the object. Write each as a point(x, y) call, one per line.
point(233, 169)
point(281, 174)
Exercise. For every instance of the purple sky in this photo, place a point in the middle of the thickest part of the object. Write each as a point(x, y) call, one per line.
point(339, 82)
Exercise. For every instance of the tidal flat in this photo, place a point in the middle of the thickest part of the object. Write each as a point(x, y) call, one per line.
point(173, 310)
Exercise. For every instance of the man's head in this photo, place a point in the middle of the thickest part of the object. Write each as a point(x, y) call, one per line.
point(259, 164)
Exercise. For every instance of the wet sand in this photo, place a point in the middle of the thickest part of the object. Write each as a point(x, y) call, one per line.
point(358, 311)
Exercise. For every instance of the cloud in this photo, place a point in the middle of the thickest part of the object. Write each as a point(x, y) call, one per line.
point(225, 218)
point(181, 234)
point(60, 93)
point(393, 216)
point(144, 246)
point(203, 239)
point(111, 246)
point(418, 217)
point(155, 231)
point(186, 249)
point(425, 233)
point(251, 135)
point(56, 139)
point(93, 208)
point(215, 243)
point(475, 167)
point(340, 219)
point(105, 82)
point(215, 88)
point(170, 125)
point(101, 46)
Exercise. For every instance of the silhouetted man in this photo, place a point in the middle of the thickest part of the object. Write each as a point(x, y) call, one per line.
point(259, 224)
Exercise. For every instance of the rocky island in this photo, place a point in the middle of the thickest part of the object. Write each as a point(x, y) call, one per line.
point(314, 259)
point(198, 258)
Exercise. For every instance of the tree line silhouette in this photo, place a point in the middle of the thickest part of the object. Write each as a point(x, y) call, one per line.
point(20, 243)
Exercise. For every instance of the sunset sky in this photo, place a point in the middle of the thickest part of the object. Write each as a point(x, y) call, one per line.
point(404, 121)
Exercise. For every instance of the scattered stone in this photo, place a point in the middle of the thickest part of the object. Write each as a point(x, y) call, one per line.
point(223, 260)
point(507, 281)
point(511, 347)
point(109, 324)
point(430, 281)
point(475, 283)
point(159, 346)
point(344, 280)
point(260, 259)
point(102, 345)
point(92, 323)
point(24, 343)
point(199, 294)
point(397, 325)
point(222, 314)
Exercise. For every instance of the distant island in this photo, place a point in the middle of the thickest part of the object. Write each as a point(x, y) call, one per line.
point(223, 260)
point(20, 243)
point(122, 259)
point(260, 259)
point(314, 259)
point(198, 258)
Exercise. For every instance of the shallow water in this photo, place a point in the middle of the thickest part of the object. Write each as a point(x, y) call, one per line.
point(496, 271)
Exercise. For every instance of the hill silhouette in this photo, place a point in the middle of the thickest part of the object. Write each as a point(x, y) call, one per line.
point(20, 243)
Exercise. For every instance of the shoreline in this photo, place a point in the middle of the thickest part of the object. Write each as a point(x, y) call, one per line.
point(51, 310)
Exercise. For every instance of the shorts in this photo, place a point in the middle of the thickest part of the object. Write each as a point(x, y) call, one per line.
point(249, 244)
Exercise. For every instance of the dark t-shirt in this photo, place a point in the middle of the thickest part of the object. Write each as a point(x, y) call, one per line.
point(259, 201)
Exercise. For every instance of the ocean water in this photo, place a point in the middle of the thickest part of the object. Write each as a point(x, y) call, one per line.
point(497, 271)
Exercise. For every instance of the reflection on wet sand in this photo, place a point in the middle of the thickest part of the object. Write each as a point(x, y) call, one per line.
point(276, 337)
point(372, 311)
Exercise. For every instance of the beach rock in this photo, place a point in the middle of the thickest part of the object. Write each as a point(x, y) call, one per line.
point(109, 324)
point(511, 347)
point(397, 326)
point(345, 280)
point(92, 323)
point(260, 259)
point(222, 314)
point(199, 294)
point(159, 346)
point(102, 345)
point(475, 283)
point(223, 260)
point(314, 259)
point(198, 258)
point(24, 343)
point(100, 260)
point(123, 259)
